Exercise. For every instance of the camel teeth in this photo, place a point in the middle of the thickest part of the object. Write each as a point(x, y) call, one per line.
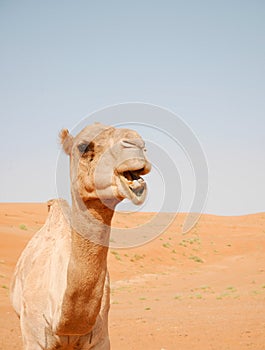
point(136, 184)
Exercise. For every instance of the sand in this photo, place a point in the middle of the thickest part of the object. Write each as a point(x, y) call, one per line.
point(202, 290)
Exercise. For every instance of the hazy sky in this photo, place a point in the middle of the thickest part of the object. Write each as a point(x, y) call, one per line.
point(204, 60)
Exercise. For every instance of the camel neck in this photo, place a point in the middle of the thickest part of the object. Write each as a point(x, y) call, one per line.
point(86, 270)
point(92, 220)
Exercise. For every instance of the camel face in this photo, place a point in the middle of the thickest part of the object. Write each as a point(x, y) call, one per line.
point(107, 164)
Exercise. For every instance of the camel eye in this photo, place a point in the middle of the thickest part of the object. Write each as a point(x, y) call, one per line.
point(84, 148)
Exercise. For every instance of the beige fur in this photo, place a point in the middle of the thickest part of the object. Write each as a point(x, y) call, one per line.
point(60, 288)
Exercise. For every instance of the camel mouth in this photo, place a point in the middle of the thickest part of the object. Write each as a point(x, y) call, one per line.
point(134, 185)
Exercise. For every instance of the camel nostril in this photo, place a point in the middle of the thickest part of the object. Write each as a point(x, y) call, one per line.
point(132, 143)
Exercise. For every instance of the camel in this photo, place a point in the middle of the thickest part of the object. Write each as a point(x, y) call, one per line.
point(60, 289)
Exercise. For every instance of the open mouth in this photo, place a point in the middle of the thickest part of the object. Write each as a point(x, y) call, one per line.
point(134, 185)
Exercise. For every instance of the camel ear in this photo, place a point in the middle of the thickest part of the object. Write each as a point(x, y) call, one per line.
point(66, 140)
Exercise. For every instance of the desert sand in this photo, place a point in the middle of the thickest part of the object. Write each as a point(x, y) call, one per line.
point(201, 290)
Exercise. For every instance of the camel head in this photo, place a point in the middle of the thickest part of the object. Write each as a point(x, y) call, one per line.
point(107, 164)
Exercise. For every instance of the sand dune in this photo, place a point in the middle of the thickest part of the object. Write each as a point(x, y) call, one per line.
point(202, 290)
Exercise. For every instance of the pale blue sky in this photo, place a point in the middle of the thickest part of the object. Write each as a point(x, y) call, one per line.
point(204, 60)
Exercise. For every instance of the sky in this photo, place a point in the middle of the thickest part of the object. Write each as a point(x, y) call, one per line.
point(204, 61)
